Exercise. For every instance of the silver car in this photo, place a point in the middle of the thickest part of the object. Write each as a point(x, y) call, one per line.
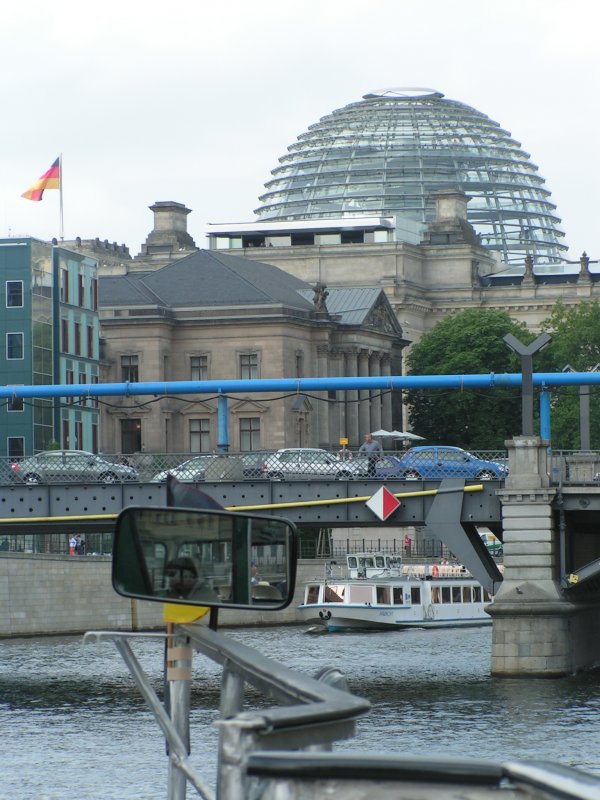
point(71, 466)
point(300, 463)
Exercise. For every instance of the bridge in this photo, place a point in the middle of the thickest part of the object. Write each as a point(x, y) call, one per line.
point(545, 613)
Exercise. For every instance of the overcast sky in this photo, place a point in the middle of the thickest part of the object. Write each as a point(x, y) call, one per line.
point(195, 101)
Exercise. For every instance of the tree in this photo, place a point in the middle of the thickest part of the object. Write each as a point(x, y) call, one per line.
point(467, 343)
point(575, 332)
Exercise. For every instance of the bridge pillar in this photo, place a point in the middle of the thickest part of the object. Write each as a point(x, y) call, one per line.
point(536, 631)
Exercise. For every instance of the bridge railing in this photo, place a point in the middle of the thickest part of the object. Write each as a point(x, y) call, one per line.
point(288, 464)
point(575, 467)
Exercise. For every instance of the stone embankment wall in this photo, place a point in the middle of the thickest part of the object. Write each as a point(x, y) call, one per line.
point(44, 595)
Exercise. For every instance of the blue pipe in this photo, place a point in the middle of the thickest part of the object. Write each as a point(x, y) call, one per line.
point(286, 385)
point(222, 425)
point(545, 430)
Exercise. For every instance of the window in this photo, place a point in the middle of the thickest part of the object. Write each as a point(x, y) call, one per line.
point(130, 371)
point(383, 595)
point(94, 437)
point(14, 294)
point(199, 368)
point(398, 596)
point(199, 436)
point(14, 404)
point(81, 290)
point(64, 335)
point(65, 434)
point(415, 596)
point(77, 339)
point(15, 446)
point(95, 294)
point(79, 435)
point(64, 285)
point(248, 366)
point(70, 380)
point(90, 341)
point(249, 433)
point(131, 435)
point(14, 345)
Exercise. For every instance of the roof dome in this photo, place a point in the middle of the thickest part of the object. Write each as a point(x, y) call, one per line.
point(387, 153)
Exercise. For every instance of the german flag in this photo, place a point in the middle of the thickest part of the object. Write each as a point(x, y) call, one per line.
point(49, 180)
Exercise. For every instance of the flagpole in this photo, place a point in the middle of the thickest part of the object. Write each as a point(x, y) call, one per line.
point(60, 184)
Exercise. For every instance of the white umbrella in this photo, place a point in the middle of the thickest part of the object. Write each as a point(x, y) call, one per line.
point(381, 432)
point(405, 435)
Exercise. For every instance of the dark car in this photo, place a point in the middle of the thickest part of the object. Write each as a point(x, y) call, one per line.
point(71, 466)
point(434, 462)
point(386, 466)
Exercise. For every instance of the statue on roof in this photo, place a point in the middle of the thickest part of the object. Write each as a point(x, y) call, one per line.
point(320, 297)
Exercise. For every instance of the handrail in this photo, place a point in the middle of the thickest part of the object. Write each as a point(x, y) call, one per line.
point(315, 712)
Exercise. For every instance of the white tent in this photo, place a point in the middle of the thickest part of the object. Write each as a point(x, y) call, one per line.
point(412, 437)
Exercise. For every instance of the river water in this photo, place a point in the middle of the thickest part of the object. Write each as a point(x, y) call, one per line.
point(73, 726)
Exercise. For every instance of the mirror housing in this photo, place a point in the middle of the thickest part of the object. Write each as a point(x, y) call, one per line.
point(204, 557)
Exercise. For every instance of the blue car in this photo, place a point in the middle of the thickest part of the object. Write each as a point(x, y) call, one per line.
point(433, 462)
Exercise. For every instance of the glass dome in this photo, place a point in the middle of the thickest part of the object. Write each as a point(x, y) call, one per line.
point(387, 153)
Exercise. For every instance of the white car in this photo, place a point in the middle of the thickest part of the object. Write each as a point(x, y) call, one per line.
point(300, 463)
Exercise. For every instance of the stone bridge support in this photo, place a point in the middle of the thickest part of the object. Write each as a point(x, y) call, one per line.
point(536, 631)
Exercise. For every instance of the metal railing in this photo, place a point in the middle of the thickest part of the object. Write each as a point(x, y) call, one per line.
point(283, 750)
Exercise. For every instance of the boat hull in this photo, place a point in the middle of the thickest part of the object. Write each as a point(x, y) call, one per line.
point(334, 617)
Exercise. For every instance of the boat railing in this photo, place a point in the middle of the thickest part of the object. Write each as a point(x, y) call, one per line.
point(312, 712)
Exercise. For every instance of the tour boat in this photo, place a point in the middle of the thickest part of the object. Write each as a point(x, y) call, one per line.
point(379, 592)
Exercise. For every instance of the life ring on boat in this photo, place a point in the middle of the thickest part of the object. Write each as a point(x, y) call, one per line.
point(325, 614)
point(435, 571)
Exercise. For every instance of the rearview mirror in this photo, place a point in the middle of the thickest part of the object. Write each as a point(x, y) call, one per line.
point(204, 558)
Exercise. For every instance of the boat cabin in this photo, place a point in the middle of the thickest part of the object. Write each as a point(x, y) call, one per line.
point(373, 565)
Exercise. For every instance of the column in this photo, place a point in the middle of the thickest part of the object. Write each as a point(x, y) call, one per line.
point(375, 369)
point(386, 400)
point(336, 406)
point(351, 369)
point(364, 423)
point(536, 631)
point(322, 406)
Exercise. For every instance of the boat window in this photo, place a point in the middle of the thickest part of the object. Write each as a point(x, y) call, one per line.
point(436, 596)
point(446, 598)
point(312, 594)
point(398, 596)
point(466, 590)
point(383, 594)
point(456, 594)
point(415, 595)
point(335, 594)
point(361, 594)
point(366, 562)
point(477, 594)
point(487, 596)
point(379, 562)
point(352, 562)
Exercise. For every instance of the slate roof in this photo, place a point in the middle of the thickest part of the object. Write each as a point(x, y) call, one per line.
point(206, 278)
point(354, 304)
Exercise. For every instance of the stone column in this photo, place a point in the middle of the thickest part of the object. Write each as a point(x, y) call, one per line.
point(322, 406)
point(336, 406)
point(386, 400)
point(354, 439)
point(375, 366)
point(536, 631)
point(364, 423)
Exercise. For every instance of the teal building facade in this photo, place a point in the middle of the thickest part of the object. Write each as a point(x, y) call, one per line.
point(50, 334)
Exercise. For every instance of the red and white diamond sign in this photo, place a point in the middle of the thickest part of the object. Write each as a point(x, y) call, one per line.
point(383, 503)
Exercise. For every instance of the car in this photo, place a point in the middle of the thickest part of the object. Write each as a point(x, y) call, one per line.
point(253, 464)
point(70, 466)
point(386, 466)
point(209, 466)
point(435, 461)
point(300, 463)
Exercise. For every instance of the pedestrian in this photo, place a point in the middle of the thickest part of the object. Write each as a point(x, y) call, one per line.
point(372, 449)
point(72, 545)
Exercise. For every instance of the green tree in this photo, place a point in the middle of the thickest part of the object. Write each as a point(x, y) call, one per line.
point(467, 343)
point(575, 332)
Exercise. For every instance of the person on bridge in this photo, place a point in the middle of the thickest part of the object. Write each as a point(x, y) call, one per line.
point(372, 449)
